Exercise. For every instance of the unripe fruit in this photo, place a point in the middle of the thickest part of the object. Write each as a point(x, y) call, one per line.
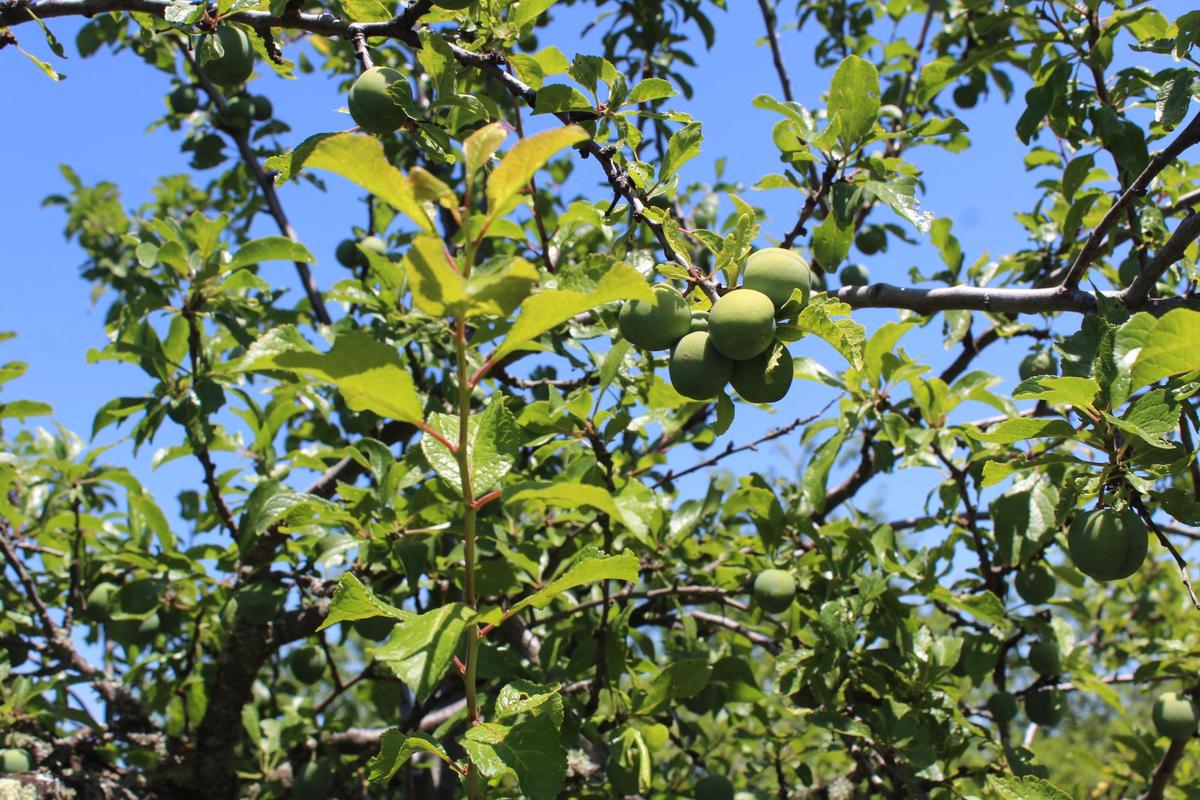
point(965, 96)
point(1107, 545)
point(370, 104)
point(1045, 658)
point(348, 255)
point(307, 663)
point(238, 114)
point(1035, 584)
point(16, 655)
point(699, 321)
point(655, 324)
point(183, 100)
point(237, 63)
point(100, 599)
point(313, 782)
point(774, 590)
point(777, 273)
point(1045, 707)
point(263, 110)
point(1003, 707)
point(375, 628)
point(139, 596)
point(765, 378)
point(714, 787)
point(1043, 363)
point(1174, 717)
point(871, 240)
point(742, 324)
point(697, 370)
point(14, 760)
point(854, 275)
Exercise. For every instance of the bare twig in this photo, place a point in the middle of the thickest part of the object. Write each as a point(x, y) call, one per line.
point(1144, 513)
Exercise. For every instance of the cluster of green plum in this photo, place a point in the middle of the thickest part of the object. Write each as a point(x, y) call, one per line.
point(734, 342)
point(239, 113)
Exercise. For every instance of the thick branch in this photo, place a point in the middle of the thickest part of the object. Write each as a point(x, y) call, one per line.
point(1166, 768)
point(1187, 232)
point(978, 298)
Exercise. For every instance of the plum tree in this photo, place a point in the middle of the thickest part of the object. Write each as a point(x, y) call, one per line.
point(765, 378)
point(183, 100)
point(372, 106)
point(1045, 657)
point(1045, 707)
point(15, 760)
point(655, 324)
point(696, 367)
point(1003, 707)
point(1174, 716)
point(742, 324)
point(1034, 584)
point(1106, 544)
point(1041, 363)
point(774, 590)
point(854, 275)
point(777, 273)
point(307, 663)
point(236, 63)
point(714, 787)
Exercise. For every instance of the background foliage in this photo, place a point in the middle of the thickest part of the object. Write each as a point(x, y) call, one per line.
point(560, 606)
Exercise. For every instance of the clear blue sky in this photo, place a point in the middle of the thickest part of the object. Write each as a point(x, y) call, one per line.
point(97, 121)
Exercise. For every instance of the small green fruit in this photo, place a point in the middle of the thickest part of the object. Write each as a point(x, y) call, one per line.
point(714, 787)
point(742, 324)
point(1174, 717)
point(870, 241)
point(699, 321)
point(1107, 545)
point(307, 663)
point(1045, 658)
point(370, 104)
point(777, 273)
point(237, 63)
point(697, 370)
point(183, 100)
point(1035, 364)
point(14, 760)
point(263, 110)
point(16, 655)
point(313, 782)
point(854, 275)
point(375, 628)
point(765, 378)
point(1045, 707)
point(774, 590)
point(1035, 584)
point(1003, 707)
point(656, 324)
point(965, 96)
point(100, 600)
point(238, 114)
point(348, 255)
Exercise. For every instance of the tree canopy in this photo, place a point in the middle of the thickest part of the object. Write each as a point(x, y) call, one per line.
point(461, 523)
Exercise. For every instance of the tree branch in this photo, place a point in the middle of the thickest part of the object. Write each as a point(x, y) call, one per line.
point(1000, 300)
point(1144, 513)
point(1186, 233)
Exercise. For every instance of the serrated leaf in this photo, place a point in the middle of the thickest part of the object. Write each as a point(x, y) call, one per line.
point(591, 568)
point(651, 89)
point(482, 144)
point(854, 99)
point(270, 248)
point(531, 750)
point(1016, 430)
point(1028, 788)
point(498, 294)
point(492, 443)
point(360, 159)
point(21, 409)
point(1168, 348)
point(900, 195)
point(395, 749)
point(524, 159)
point(546, 310)
point(353, 601)
point(1151, 417)
point(525, 697)
point(527, 11)
point(823, 317)
point(680, 680)
point(422, 648)
point(437, 287)
point(984, 606)
point(683, 146)
point(366, 371)
point(1078, 392)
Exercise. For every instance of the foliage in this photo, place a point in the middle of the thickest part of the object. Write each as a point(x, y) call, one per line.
point(526, 584)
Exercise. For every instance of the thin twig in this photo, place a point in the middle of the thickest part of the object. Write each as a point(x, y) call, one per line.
point(1144, 513)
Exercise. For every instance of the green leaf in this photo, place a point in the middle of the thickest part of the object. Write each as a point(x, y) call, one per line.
point(523, 697)
point(831, 243)
point(531, 750)
point(358, 158)
point(20, 409)
point(1169, 348)
point(48, 70)
point(482, 144)
point(557, 98)
point(492, 443)
point(680, 680)
point(1078, 392)
point(437, 287)
point(651, 89)
point(367, 372)
point(984, 606)
point(1151, 417)
point(683, 146)
point(524, 159)
point(352, 601)
point(422, 648)
point(1016, 430)
point(1028, 788)
point(366, 10)
point(822, 317)
point(900, 195)
point(395, 749)
point(593, 566)
point(498, 294)
point(527, 11)
point(854, 100)
point(546, 310)
point(270, 248)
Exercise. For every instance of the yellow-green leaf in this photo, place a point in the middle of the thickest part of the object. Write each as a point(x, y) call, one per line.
point(524, 159)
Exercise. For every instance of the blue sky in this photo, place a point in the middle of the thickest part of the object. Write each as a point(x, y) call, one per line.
point(97, 122)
